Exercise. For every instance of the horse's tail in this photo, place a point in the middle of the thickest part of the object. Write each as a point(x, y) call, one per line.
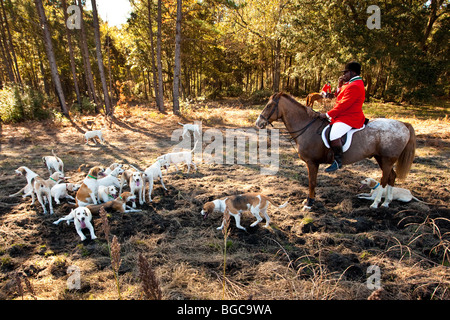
point(406, 158)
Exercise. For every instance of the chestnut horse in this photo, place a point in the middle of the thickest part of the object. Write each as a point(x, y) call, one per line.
point(388, 141)
point(313, 97)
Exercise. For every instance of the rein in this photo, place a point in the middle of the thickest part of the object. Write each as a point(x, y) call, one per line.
point(299, 131)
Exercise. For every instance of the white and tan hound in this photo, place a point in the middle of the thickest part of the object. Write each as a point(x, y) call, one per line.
point(89, 188)
point(53, 163)
point(235, 205)
point(82, 217)
point(399, 194)
point(42, 188)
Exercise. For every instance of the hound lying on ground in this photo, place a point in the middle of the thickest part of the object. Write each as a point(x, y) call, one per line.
point(82, 217)
point(53, 163)
point(89, 188)
point(119, 204)
point(42, 188)
point(106, 193)
point(399, 194)
point(60, 191)
point(235, 205)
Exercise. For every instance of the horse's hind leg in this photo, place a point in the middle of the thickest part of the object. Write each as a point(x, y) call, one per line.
point(388, 177)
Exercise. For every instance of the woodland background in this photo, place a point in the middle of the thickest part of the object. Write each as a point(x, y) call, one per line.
point(173, 50)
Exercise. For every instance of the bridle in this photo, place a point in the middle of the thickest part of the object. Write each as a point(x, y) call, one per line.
point(297, 132)
point(275, 108)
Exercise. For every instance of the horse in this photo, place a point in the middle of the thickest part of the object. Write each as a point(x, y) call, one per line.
point(326, 102)
point(313, 97)
point(388, 141)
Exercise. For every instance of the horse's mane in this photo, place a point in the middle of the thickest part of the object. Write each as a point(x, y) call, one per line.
point(295, 102)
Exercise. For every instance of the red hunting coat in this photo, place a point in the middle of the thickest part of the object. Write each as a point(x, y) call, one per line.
point(348, 107)
point(326, 88)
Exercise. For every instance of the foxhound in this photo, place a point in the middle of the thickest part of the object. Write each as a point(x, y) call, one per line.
point(153, 172)
point(92, 135)
point(28, 190)
point(399, 194)
point(235, 205)
point(119, 204)
point(113, 167)
point(190, 127)
point(82, 217)
point(106, 193)
point(60, 191)
point(111, 179)
point(42, 188)
point(89, 188)
point(53, 163)
point(176, 158)
point(136, 182)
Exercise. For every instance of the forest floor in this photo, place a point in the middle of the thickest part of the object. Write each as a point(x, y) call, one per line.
point(321, 254)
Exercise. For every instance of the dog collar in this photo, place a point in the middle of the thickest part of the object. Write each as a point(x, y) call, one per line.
point(378, 184)
point(92, 177)
point(110, 196)
point(53, 179)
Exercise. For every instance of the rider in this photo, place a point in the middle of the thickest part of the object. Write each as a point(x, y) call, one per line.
point(326, 89)
point(347, 112)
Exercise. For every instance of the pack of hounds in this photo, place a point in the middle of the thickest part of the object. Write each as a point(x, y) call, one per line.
point(105, 188)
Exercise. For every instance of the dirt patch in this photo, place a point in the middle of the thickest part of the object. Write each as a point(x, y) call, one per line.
point(324, 253)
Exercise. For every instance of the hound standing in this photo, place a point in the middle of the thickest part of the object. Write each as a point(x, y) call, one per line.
point(235, 205)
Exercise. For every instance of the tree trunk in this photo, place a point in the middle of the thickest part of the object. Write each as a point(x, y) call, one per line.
point(277, 66)
point(13, 52)
point(152, 46)
point(158, 59)
point(51, 56)
point(87, 62)
point(434, 5)
point(177, 67)
point(72, 60)
point(101, 68)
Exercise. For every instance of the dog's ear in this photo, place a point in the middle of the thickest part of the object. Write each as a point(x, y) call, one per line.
point(88, 212)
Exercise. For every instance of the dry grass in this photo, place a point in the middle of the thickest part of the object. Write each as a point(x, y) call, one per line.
point(167, 251)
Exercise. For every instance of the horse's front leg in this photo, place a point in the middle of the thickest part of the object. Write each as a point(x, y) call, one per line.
point(313, 168)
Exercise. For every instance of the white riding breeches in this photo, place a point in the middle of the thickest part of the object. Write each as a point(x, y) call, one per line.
point(338, 129)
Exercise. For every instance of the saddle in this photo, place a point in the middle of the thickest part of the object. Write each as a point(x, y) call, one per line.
point(346, 138)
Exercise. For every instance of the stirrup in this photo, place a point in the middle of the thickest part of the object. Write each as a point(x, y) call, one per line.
point(334, 167)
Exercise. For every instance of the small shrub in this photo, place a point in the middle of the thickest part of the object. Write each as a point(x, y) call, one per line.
point(22, 103)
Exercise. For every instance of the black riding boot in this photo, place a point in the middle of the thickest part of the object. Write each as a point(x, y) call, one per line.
point(336, 146)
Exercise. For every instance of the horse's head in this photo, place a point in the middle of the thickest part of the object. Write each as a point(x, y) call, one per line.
point(270, 112)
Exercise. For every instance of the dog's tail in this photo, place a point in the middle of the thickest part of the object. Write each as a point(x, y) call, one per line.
point(53, 153)
point(284, 205)
point(180, 124)
point(195, 145)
